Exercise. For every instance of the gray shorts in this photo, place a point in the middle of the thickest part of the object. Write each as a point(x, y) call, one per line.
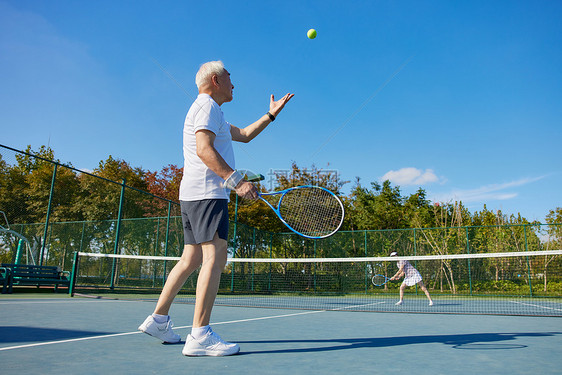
point(202, 219)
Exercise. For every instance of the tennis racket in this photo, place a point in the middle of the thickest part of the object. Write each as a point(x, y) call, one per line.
point(379, 280)
point(309, 211)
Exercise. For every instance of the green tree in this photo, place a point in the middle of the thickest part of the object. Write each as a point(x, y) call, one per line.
point(384, 207)
point(26, 194)
point(100, 197)
point(553, 241)
point(554, 216)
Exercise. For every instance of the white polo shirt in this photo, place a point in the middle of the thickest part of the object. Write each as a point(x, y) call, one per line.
point(198, 181)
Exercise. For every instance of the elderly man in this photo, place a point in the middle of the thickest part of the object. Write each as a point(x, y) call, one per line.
point(208, 173)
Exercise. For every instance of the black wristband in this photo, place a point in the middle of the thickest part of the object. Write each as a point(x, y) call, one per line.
point(271, 117)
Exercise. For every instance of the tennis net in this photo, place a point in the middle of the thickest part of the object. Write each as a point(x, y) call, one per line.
point(508, 283)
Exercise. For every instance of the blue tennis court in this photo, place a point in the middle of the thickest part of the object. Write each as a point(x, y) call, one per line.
point(80, 335)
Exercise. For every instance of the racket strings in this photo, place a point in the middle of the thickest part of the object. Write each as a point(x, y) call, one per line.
point(379, 279)
point(311, 211)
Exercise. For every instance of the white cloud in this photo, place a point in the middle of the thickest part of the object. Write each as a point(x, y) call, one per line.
point(411, 176)
point(492, 192)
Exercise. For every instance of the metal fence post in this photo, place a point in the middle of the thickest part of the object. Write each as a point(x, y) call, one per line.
point(117, 233)
point(528, 265)
point(314, 265)
point(469, 270)
point(253, 256)
point(166, 243)
point(234, 240)
point(415, 262)
point(45, 233)
point(155, 252)
point(415, 246)
point(74, 274)
point(82, 237)
point(366, 265)
point(270, 256)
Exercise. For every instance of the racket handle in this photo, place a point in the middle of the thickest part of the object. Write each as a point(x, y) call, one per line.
point(252, 177)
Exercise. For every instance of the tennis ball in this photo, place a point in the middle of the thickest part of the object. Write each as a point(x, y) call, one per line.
point(311, 34)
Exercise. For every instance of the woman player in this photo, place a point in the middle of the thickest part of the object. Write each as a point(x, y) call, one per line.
point(411, 277)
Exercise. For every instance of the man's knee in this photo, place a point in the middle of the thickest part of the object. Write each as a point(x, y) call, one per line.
point(218, 260)
point(215, 253)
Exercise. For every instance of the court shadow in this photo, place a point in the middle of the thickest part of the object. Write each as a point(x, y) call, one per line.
point(480, 341)
point(26, 334)
point(181, 342)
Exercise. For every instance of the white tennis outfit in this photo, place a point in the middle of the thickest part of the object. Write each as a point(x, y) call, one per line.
point(199, 182)
point(411, 275)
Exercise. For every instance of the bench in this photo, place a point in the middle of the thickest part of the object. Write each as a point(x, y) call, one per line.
point(27, 274)
point(5, 280)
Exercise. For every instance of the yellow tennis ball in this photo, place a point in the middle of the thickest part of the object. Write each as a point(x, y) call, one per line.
point(311, 34)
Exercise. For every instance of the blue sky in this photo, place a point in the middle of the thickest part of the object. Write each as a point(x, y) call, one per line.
point(462, 99)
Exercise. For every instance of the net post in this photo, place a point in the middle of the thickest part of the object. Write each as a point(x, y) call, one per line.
point(74, 274)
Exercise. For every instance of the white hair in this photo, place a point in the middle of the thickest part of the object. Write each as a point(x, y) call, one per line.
point(207, 70)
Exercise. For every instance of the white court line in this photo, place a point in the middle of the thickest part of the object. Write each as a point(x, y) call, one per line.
point(351, 307)
point(69, 340)
point(542, 307)
point(182, 327)
point(20, 302)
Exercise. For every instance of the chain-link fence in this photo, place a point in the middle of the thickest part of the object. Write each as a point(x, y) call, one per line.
point(51, 210)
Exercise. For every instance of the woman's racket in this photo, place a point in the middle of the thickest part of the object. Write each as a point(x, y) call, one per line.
point(379, 280)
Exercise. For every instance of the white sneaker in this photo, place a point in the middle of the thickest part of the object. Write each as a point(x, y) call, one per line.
point(211, 344)
point(399, 303)
point(162, 331)
point(430, 303)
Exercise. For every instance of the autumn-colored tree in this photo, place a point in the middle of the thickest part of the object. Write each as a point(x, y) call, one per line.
point(164, 184)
